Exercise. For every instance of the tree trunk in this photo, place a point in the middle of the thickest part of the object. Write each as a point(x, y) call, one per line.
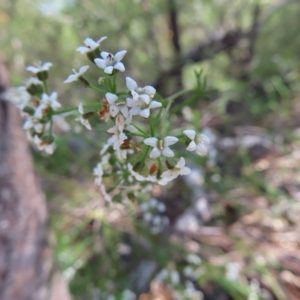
point(25, 255)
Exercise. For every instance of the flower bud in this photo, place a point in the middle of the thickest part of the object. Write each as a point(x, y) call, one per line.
point(84, 81)
point(48, 138)
point(169, 165)
point(138, 167)
point(34, 89)
point(29, 110)
point(43, 75)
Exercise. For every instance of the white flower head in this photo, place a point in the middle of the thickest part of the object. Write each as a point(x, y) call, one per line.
point(116, 105)
point(33, 123)
point(46, 103)
point(109, 62)
point(85, 122)
point(98, 173)
point(161, 146)
point(179, 169)
point(141, 108)
point(145, 94)
point(44, 145)
point(39, 67)
point(199, 142)
point(75, 76)
point(125, 124)
point(118, 137)
point(90, 45)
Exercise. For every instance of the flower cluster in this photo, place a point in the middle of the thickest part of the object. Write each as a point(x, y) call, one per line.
point(142, 147)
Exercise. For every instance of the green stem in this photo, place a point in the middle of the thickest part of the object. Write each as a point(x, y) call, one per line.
point(145, 154)
point(151, 125)
point(96, 89)
point(140, 130)
point(62, 111)
point(115, 83)
point(45, 87)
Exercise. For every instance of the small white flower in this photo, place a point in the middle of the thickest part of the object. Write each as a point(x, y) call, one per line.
point(109, 62)
point(83, 121)
point(75, 76)
point(90, 45)
point(33, 123)
point(122, 124)
point(105, 195)
point(193, 259)
point(39, 68)
point(118, 137)
point(179, 169)
point(116, 105)
point(46, 103)
point(43, 145)
point(161, 146)
point(141, 108)
point(32, 81)
point(145, 94)
point(199, 142)
point(98, 172)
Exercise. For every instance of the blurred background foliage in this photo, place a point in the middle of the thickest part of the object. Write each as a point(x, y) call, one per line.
point(244, 203)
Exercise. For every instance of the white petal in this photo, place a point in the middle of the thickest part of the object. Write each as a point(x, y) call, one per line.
point(155, 152)
point(185, 171)
point(167, 174)
point(86, 123)
point(152, 141)
point(155, 104)
point(181, 163)
point(101, 63)
point(201, 149)
point(28, 124)
point(204, 139)
point(167, 152)
point(119, 66)
point(102, 39)
point(111, 98)
point(145, 98)
point(190, 133)
point(149, 90)
point(83, 49)
point(192, 146)
point(38, 127)
point(170, 140)
point(105, 54)
point(32, 69)
point(114, 110)
point(55, 104)
point(135, 111)
point(119, 55)
point(46, 65)
point(71, 78)
point(80, 108)
point(135, 95)
point(131, 84)
point(82, 70)
point(124, 110)
point(108, 70)
point(130, 102)
point(145, 113)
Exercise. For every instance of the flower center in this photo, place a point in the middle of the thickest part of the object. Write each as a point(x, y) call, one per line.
point(160, 144)
point(140, 90)
point(120, 102)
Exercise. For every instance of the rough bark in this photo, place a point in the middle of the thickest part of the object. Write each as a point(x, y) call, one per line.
point(25, 255)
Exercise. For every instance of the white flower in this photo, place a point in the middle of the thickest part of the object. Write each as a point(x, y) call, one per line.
point(116, 105)
point(145, 94)
point(85, 122)
point(39, 68)
point(75, 76)
point(122, 124)
point(179, 169)
point(32, 81)
point(46, 103)
point(141, 108)
point(109, 62)
point(105, 195)
point(98, 172)
point(33, 123)
point(199, 142)
point(90, 45)
point(118, 137)
point(193, 259)
point(161, 146)
point(43, 145)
